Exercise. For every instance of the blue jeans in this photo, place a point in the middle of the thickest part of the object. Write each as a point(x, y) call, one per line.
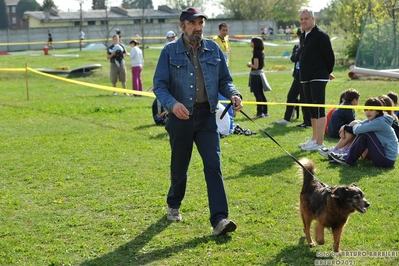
point(200, 128)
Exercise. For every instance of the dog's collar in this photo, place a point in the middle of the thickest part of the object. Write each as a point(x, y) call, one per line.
point(326, 187)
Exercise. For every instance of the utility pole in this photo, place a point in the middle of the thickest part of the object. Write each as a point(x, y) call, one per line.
point(80, 25)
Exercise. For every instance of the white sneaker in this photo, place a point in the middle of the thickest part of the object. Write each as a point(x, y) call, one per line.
point(343, 151)
point(173, 215)
point(223, 227)
point(326, 151)
point(282, 122)
point(339, 158)
point(308, 141)
point(314, 147)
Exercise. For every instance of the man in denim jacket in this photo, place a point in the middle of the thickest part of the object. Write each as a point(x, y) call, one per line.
point(190, 74)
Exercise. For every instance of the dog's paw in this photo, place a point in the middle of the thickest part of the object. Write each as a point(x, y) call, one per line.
point(312, 245)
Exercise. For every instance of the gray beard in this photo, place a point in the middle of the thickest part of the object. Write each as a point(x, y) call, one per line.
point(193, 38)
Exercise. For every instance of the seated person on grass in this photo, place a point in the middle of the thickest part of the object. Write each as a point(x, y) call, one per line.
point(387, 101)
point(328, 116)
point(394, 97)
point(342, 116)
point(343, 144)
point(373, 135)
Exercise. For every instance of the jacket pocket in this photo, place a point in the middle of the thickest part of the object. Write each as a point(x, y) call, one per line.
point(213, 65)
point(178, 67)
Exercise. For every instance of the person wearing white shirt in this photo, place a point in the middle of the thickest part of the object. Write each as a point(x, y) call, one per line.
point(137, 62)
point(81, 37)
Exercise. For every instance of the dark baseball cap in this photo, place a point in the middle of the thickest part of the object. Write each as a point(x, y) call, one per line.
point(191, 13)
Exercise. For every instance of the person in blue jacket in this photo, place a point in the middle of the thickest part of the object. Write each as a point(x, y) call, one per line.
point(190, 74)
point(375, 135)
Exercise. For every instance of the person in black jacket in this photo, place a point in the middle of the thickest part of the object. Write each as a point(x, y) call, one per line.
point(295, 90)
point(49, 40)
point(316, 60)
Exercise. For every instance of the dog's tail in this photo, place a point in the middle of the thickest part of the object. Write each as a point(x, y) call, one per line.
point(308, 170)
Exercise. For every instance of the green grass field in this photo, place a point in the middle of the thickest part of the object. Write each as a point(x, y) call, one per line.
point(84, 176)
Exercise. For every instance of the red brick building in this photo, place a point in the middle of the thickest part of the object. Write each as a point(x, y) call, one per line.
point(15, 21)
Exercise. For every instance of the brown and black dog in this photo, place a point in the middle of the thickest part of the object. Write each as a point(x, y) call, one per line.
point(329, 206)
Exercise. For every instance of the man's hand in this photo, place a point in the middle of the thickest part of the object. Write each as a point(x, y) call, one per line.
point(237, 104)
point(181, 111)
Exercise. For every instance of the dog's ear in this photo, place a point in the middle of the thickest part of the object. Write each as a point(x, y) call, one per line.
point(338, 192)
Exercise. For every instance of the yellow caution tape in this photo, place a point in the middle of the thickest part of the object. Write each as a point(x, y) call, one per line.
point(151, 94)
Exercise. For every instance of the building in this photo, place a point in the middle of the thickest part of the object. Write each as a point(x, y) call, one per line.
point(115, 16)
point(15, 21)
point(147, 25)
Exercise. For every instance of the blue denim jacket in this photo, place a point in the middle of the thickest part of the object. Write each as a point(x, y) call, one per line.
point(174, 78)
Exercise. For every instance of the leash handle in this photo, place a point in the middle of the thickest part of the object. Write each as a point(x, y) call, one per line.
point(226, 109)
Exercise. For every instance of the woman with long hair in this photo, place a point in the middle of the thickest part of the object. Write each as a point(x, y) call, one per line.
point(257, 79)
point(137, 62)
point(374, 134)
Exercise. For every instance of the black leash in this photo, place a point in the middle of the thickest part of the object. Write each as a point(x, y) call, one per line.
point(275, 141)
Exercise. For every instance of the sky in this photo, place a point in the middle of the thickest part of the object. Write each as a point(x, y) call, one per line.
point(73, 5)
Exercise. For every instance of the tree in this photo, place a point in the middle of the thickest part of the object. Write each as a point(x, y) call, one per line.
point(26, 5)
point(371, 29)
point(286, 11)
point(48, 4)
point(107, 28)
point(126, 4)
point(391, 8)
point(348, 15)
point(4, 19)
point(141, 4)
point(281, 10)
point(242, 9)
point(99, 4)
point(183, 4)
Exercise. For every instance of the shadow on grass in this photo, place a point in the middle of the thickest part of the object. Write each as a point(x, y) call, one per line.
point(132, 252)
point(147, 126)
point(162, 135)
point(362, 169)
point(264, 168)
point(294, 255)
point(275, 130)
